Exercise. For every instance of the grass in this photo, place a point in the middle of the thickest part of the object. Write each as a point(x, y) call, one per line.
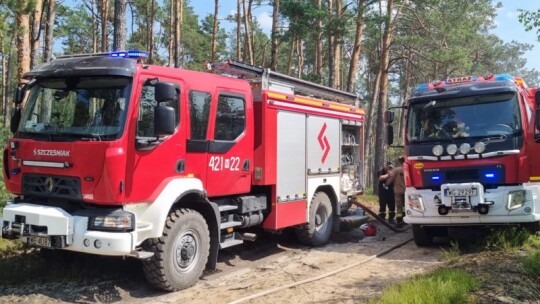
point(444, 285)
point(531, 263)
point(451, 254)
point(508, 238)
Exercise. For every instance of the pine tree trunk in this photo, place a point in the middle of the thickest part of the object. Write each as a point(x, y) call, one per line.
point(336, 65)
point(319, 44)
point(35, 32)
point(49, 29)
point(104, 25)
point(238, 31)
point(247, 29)
point(215, 31)
point(151, 32)
point(23, 40)
point(291, 53)
point(178, 33)
point(275, 33)
point(330, 47)
point(384, 70)
point(95, 32)
point(357, 48)
point(170, 46)
point(300, 52)
point(119, 41)
point(4, 76)
point(9, 76)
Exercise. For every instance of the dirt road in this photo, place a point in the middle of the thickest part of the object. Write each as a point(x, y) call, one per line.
point(270, 262)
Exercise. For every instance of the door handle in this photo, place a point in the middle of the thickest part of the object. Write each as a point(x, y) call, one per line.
point(246, 165)
point(180, 166)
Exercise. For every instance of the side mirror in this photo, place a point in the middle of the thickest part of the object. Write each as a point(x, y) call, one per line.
point(19, 94)
point(15, 120)
point(164, 91)
point(164, 120)
point(537, 119)
point(389, 135)
point(388, 117)
point(537, 98)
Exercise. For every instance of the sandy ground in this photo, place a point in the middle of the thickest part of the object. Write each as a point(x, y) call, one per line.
point(268, 263)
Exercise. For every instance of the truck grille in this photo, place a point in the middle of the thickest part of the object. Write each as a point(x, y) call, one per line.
point(51, 186)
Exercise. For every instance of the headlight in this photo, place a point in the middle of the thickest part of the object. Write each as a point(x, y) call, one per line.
point(437, 150)
point(464, 148)
point(451, 149)
point(415, 202)
point(479, 147)
point(516, 199)
point(116, 221)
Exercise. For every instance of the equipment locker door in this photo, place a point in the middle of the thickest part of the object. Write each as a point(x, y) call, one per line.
point(230, 148)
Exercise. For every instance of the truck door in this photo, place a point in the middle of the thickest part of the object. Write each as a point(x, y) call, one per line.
point(152, 161)
point(230, 145)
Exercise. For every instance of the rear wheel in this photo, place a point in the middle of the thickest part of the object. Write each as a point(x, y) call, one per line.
point(180, 254)
point(423, 236)
point(321, 218)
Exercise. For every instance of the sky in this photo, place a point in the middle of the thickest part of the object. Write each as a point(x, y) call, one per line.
point(508, 27)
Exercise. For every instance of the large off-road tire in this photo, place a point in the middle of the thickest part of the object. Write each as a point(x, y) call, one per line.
point(180, 254)
point(321, 219)
point(423, 236)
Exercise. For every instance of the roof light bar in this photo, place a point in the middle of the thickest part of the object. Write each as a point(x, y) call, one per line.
point(469, 79)
point(129, 54)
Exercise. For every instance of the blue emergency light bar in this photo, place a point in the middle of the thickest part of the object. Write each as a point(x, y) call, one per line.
point(466, 79)
point(129, 54)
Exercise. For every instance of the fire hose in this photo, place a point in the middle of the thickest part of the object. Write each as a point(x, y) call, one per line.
point(377, 217)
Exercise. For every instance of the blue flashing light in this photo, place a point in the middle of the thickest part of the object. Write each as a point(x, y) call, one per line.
point(490, 175)
point(421, 87)
point(129, 54)
point(504, 77)
point(436, 178)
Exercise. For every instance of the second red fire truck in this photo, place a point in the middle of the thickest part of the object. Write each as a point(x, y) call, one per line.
point(111, 156)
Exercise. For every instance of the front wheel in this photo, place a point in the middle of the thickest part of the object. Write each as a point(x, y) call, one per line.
point(423, 236)
point(180, 254)
point(321, 218)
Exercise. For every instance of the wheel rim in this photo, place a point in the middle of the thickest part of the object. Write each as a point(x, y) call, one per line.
point(186, 250)
point(321, 219)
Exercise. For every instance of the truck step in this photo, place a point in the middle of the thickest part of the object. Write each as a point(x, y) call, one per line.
point(223, 208)
point(231, 239)
point(229, 224)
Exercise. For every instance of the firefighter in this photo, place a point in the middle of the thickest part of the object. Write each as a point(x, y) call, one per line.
point(386, 195)
point(398, 179)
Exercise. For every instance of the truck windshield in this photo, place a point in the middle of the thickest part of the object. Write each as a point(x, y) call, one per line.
point(493, 115)
point(86, 108)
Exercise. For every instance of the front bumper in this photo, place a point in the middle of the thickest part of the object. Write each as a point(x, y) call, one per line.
point(498, 212)
point(70, 232)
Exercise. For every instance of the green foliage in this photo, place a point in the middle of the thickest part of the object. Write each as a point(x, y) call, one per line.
point(531, 20)
point(4, 195)
point(445, 285)
point(531, 263)
point(451, 254)
point(507, 238)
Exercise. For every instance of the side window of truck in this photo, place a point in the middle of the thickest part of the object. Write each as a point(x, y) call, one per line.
point(199, 108)
point(230, 117)
point(147, 104)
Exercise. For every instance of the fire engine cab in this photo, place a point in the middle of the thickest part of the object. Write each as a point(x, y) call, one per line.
point(472, 148)
point(111, 156)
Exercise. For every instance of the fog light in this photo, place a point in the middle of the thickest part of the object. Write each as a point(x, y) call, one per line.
point(86, 242)
point(409, 212)
point(464, 148)
point(443, 210)
point(516, 199)
point(483, 209)
point(97, 244)
point(437, 150)
point(527, 210)
point(415, 202)
point(451, 149)
point(479, 147)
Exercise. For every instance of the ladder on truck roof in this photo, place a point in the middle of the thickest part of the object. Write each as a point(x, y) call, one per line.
point(274, 81)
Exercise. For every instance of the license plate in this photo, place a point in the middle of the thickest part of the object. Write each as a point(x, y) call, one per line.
point(460, 192)
point(40, 241)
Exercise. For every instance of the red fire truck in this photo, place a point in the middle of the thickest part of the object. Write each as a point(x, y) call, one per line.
point(111, 156)
point(472, 148)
